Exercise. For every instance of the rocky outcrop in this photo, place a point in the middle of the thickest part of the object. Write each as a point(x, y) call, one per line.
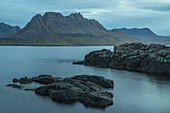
point(90, 90)
point(153, 58)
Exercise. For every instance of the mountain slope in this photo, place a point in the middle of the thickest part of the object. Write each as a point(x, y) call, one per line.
point(7, 30)
point(55, 29)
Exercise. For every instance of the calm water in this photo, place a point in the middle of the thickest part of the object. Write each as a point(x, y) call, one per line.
point(133, 93)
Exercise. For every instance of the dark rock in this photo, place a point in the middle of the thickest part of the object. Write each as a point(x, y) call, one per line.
point(99, 80)
point(84, 88)
point(66, 95)
point(44, 90)
point(15, 80)
point(15, 86)
point(25, 80)
point(96, 100)
point(78, 62)
point(98, 58)
point(44, 79)
point(29, 89)
point(153, 58)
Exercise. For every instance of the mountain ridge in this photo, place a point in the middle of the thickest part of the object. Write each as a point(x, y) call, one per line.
point(53, 28)
point(8, 30)
point(146, 35)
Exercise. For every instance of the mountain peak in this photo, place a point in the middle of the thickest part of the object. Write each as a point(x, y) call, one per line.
point(76, 16)
point(53, 14)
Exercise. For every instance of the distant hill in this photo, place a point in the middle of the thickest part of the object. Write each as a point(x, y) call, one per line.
point(139, 32)
point(147, 35)
point(55, 29)
point(7, 30)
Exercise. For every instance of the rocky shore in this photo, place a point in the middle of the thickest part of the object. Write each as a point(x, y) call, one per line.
point(153, 58)
point(89, 90)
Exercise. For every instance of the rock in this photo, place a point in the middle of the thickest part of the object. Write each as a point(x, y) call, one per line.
point(15, 86)
point(98, 58)
point(153, 58)
point(44, 90)
point(44, 79)
point(99, 80)
point(29, 89)
point(15, 80)
point(94, 99)
point(78, 62)
point(83, 88)
point(66, 95)
point(25, 80)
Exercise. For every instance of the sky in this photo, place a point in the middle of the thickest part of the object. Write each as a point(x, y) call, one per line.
point(154, 14)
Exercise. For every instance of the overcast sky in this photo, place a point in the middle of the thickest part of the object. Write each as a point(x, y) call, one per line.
point(154, 14)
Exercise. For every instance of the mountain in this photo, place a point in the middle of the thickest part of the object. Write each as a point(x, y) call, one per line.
point(55, 29)
point(139, 32)
point(146, 35)
point(7, 30)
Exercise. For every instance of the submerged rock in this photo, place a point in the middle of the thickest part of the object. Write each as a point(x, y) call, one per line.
point(15, 86)
point(153, 58)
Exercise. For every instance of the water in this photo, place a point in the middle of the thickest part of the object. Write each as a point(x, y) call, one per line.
point(133, 92)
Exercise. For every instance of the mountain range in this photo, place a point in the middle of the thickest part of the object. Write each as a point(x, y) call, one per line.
point(146, 35)
point(53, 28)
point(7, 30)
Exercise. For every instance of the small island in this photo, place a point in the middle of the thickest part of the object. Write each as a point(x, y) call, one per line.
point(152, 58)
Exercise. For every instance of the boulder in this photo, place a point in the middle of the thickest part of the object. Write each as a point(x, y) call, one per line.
point(15, 80)
point(66, 95)
point(25, 80)
point(99, 80)
point(44, 79)
point(95, 99)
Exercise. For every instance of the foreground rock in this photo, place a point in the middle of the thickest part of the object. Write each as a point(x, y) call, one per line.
point(90, 90)
point(153, 58)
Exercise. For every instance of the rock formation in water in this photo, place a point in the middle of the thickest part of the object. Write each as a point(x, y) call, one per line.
point(7, 30)
point(55, 29)
point(153, 58)
point(90, 90)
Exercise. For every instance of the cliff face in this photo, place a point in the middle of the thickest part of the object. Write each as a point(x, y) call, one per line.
point(56, 29)
point(7, 30)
